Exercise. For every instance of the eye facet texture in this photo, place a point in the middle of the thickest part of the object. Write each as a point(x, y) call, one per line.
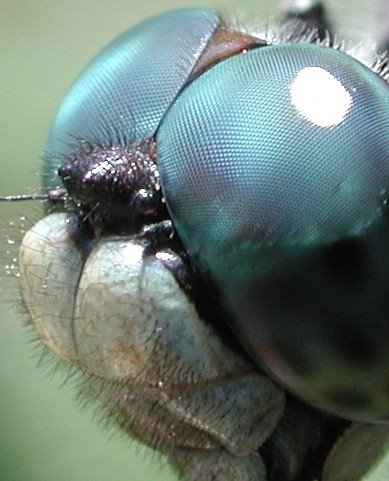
point(125, 91)
point(275, 169)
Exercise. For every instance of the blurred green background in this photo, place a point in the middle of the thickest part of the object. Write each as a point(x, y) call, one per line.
point(44, 434)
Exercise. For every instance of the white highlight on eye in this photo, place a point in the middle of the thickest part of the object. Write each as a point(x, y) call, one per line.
point(319, 97)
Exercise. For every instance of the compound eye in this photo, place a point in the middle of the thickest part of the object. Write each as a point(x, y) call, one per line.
point(123, 94)
point(288, 141)
point(275, 169)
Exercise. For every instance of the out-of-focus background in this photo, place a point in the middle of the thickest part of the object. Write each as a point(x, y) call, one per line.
point(44, 434)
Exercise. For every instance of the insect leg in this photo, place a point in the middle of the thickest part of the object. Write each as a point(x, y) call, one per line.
point(312, 12)
point(382, 30)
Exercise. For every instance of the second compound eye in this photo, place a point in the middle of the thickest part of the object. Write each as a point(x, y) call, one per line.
point(267, 160)
point(282, 144)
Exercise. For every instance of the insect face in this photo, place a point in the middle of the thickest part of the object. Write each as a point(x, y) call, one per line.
point(216, 209)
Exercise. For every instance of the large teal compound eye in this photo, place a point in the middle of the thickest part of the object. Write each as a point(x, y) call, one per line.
point(123, 94)
point(275, 169)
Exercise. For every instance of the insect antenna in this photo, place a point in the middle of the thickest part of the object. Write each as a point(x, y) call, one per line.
point(53, 195)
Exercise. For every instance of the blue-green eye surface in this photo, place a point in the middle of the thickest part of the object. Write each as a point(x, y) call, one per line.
point(275, 169)
point(124, 92)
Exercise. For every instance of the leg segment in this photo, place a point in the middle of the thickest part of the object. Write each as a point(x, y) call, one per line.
point(312, 12)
